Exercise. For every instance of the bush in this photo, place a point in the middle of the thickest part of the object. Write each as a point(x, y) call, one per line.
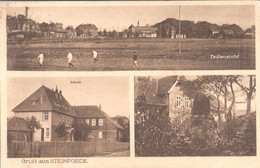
point(189, 135)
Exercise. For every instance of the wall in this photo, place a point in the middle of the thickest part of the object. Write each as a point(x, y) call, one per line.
point(108, 135)
point(44, 124)
point(19, 135)
point(64, 149)
point(173, 109)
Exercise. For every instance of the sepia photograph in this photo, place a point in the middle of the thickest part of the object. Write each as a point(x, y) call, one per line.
point(211, 115)
point(68, 117)
point(123, 38)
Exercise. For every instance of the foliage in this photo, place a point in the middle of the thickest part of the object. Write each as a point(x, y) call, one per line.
point(61, 130)
point(82, 131)
point(248, 90)
point(124, 122)
point(33, 123)
point(191, 135)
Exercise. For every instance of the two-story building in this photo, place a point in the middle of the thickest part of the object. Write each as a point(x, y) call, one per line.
point(103, 128)
point(164, 96)
point(51, 108)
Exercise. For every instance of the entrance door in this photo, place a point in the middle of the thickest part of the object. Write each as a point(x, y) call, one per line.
point(42, 134)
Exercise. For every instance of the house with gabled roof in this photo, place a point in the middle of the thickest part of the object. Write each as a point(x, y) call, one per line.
point(142, 31)
point(103, 128)
point(51, 108)
point(165, 97)
point(86, 30)
point(18, 130)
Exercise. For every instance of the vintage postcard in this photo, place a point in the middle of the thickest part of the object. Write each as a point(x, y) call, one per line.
point(129, 84)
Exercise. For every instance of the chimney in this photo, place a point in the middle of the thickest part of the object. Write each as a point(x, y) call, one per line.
point(60, 92)
point(56, 89)
point(99, 106)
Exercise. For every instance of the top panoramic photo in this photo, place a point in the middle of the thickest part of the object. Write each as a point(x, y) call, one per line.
point(131, 38)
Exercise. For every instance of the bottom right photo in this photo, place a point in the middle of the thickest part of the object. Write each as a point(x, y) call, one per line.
point(212, 115)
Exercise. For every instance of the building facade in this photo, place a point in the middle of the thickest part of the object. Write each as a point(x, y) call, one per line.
point(165, 97)
point(142, 31)
point(86, 30)
point(51, 108)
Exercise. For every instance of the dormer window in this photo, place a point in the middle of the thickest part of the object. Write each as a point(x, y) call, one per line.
point(37, 101)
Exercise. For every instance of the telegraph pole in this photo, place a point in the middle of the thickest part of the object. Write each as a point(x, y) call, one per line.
point(179, 29)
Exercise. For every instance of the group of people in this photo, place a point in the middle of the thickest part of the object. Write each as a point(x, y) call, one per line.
point(95, 59)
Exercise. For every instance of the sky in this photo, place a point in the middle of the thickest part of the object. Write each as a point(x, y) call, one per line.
point(121, 17)
point(111, 92)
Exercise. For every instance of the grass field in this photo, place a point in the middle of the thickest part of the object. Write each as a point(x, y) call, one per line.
point(153, 54)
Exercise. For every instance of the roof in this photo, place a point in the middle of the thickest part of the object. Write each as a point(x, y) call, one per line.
point(45, 99)
point(228, 31)
point(88, 111)
point(87, 26)
point(17, 124)
point(145, 29)
point(149, 90)
point(166, 83)
point(94, 111)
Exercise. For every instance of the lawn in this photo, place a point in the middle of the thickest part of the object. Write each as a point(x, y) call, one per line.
point(153, 54)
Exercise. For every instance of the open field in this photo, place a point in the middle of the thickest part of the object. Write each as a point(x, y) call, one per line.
point(153, 54)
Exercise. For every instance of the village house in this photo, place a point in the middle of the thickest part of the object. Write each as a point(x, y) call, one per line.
point(103, 128)
point(51, 108)
point(141, 31)
point(164, 96)
point(226, 34)
point(18, 129)
point(86, 30)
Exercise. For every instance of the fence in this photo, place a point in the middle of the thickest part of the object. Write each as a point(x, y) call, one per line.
point(64, 149)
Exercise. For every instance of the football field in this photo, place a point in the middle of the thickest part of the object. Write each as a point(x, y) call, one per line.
point(153, 54)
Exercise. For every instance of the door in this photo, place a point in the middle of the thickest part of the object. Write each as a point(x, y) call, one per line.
point(42, 134)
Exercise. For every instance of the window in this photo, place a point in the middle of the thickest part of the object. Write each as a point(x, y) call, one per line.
point(93, 122)
point(87, 121)
point(45, 116)
point(178, 101)
point(100, 122)
point(100, 134)
point(186, 102)
point(47, 132)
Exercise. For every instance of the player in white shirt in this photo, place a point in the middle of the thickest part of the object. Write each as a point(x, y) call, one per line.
point(95, 54)
point(70, 57)
point(41, 60)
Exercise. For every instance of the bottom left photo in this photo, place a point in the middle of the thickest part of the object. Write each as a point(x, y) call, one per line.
point(68, 117)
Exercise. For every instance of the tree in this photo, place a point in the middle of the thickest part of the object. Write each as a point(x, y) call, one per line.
point(61, 130)
point(44, 26)
point(33, 123)
point(105, 32)
point(82, 130)
point(69, 28)
point(248, 90)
